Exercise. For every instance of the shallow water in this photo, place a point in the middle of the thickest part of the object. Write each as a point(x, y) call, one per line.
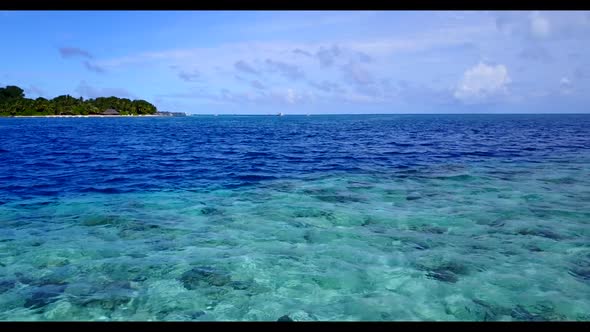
point(319, 218)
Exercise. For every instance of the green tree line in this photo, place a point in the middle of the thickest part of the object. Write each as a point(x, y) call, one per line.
point(13, 102)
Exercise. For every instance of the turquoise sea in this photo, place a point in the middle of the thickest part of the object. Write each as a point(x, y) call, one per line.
point(329, 218)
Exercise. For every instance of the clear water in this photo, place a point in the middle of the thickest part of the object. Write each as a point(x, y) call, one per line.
point(347, 218)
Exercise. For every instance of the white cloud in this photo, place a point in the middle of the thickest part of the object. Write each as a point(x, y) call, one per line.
point(290, 97)
point(245, 67)
point(327, 56)
point(189, 76)
point(289, 71)
point(565, 85)
point(371, 48)
point(482, 82)
point(256, 84)
point(357, 74)
point(581, 73)
point(539, 25)
point(536, 52)
point(420, 41)
point(283, 22)
point(266, 97)
point(546, 25)
point(88, 91)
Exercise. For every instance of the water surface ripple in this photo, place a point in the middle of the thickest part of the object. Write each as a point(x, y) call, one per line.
point(375, 217)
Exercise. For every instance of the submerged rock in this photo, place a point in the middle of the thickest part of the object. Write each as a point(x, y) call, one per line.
point(135, 230)
point(197, 314)
point(109, 296)
point(418, 244)
point(209, 211)
point(475, 313)
point(339, 198)
point(204, 275)
point(445, 271)
point(386, 316)
point(311, 213)
point(491, 311)
point(58, 277)
point(413, 196)
point(534, 248)
point(455, 267)
point(299, 224)
point(298, 316)
point(44, 295)
point(540, 232)
point(368, 220)
point(432, 229)
point(101, 221)
point(60, 311)
point(6, 285)
point(520, 313)
point(163, 245)
point(443, 275)
point(581, 272)
point(241, 285)
point(318, 191)
point(23, 279)
point(479, 246)
point(137, 255)
point(458, 177)
point(493, 223)
point(56, 261)
point(308, 237)
point(215, 294)
point(319, 236)
point(140, 227)
point(581, 260)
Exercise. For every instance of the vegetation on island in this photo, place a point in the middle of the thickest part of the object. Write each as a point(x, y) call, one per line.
point(14, 103)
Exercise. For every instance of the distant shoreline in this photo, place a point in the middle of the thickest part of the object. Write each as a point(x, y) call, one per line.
point(90, 116)
point(13, 103)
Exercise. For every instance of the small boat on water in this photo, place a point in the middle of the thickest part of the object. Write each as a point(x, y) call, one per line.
point(280, 114)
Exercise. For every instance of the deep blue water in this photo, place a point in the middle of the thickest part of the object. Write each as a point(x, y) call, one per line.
point(58, 156)
point(348, 217)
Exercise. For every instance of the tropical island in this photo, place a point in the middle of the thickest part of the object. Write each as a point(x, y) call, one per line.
point(14, 104)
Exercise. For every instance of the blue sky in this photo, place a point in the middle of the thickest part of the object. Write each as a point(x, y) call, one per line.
point(299, 62)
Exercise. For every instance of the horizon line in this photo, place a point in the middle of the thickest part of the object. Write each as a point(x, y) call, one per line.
point(310, 114)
